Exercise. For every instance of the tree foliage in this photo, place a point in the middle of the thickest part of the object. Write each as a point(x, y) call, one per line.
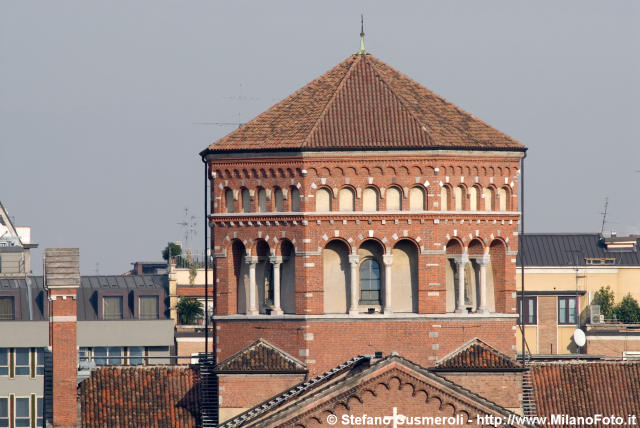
point(605, 298)
point(171, 250)
point(628, 310)
point(189, 310)
point(193, 272)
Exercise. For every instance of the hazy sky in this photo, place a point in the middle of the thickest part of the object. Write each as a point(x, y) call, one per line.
point(99, 100)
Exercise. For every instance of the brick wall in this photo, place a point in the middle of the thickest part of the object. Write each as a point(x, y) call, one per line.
point(323, 344)
point(384, 393)
point(245, 391)
point(613, 347)
point(547, 325)
point(63, 278)
point(504, 389)
point(191, 347)
point(309, 232)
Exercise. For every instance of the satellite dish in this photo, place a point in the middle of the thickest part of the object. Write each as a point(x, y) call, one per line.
point(579, 337)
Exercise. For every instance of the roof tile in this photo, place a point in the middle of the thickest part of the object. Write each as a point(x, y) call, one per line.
point(475, 355)
point(587, 388)
point(363, 103)
point(262, 357)
point(140, 396)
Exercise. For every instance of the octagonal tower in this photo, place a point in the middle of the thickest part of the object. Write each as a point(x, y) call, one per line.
point(364, 213)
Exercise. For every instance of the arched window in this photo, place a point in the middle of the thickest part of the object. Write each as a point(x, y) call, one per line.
point(370, 199)
point(502, 199)
point(262, 200)
point(444, 198)
point(369, 282)
point(416, 199)
point(488, 199)
point(346, 199)
point(228, 200)
point(394, 199)
point(278, 196)
point(473, 198)
point(458, 193)
point(323, 200)
point(295, 198)
point(246, 200)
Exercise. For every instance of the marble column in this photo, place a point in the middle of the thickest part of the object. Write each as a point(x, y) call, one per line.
point(276, 261)
point(461, 261)
point(354, 260)
point(252, 262)
point(483, 262)
point(388, 261)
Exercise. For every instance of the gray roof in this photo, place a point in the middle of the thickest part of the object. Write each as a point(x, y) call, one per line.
point(570, 249)
point(88, 294)
point(38, 297)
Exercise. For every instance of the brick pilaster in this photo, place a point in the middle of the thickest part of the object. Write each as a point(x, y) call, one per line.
point(62, 275)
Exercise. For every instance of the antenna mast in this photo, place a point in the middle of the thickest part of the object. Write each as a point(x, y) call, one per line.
point(189, 225)
point(604, 214)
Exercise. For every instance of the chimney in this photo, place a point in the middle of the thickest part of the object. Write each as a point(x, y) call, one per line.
point(62, 279)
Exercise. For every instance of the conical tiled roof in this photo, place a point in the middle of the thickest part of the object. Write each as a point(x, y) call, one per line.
point(363, 103)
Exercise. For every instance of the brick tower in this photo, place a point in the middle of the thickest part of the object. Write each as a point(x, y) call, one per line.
point(364, 213)
point(62, 275)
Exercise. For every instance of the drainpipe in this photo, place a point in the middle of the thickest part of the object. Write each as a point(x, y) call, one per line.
point(521, 248)
point(206, 264)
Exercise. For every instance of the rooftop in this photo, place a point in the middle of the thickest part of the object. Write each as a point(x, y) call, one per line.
point(581, 388)
point(575, 249)
point(476, 355)
point(363, 103)
point(140, 397)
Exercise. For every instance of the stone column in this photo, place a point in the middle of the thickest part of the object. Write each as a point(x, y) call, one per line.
point(252, 262)
point(388, 261)
point(483, 262)
point(354, 260)
point(461, 261)
point(276, 261)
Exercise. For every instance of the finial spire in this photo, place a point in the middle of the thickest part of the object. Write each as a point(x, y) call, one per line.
point(362, 51)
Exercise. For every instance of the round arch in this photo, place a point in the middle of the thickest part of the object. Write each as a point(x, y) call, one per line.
point(336, 276)
point(239, 272)
point(404, 276)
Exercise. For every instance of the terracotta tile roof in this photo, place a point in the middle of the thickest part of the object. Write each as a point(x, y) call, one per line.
point(342, 381)
point(476, 355)
point(363, 103)
point(140, 397)
point(587, 388)
point(261, 357)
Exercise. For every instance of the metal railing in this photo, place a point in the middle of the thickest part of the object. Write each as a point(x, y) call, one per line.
point(173, 360)
point(186, 261)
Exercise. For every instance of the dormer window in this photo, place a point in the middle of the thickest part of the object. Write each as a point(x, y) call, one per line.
point(148, 307)
point(112, 308)
point(7, 308)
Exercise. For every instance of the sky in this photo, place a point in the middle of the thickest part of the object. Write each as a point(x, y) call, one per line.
point(102, 104)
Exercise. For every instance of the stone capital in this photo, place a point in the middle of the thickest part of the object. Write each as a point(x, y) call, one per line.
point(251, 260)
point(354, 259)
point(483, 260)
point(275, 260)
point(461, 259)
point(387, 259)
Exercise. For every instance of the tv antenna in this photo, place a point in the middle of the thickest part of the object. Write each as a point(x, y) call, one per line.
point(604, 214)
point(239, 98)
point(189, 225)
